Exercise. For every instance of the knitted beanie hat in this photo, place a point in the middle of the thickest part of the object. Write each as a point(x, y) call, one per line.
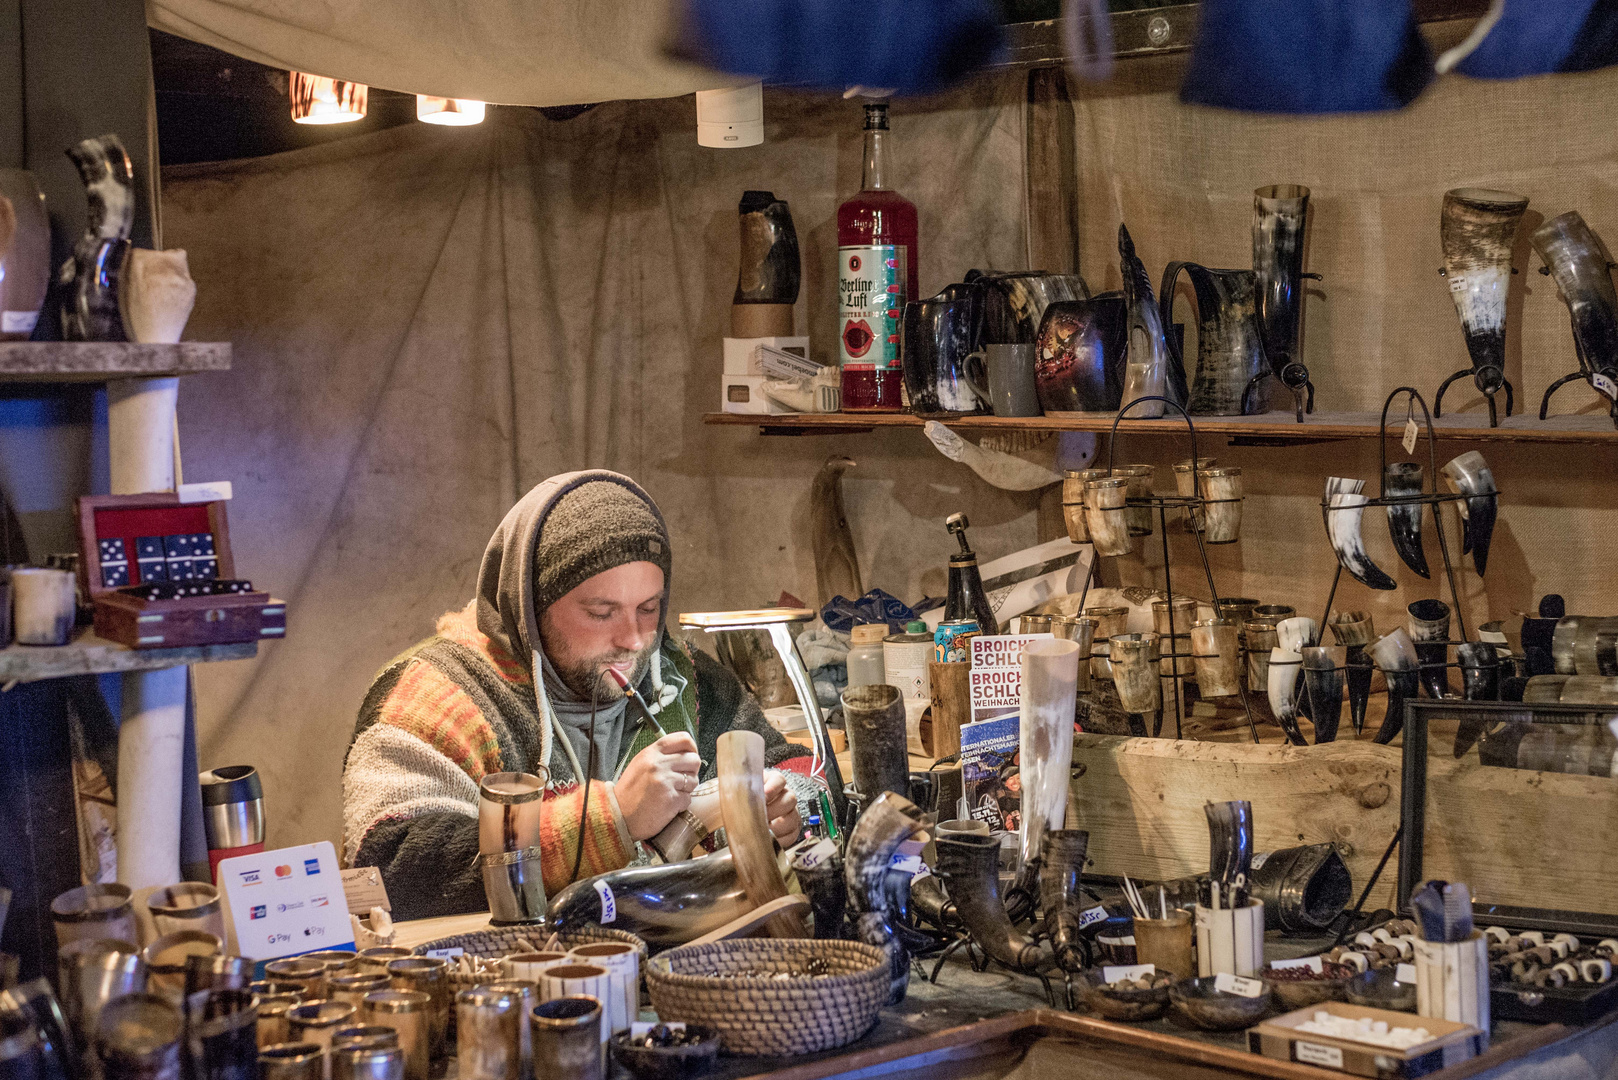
point(591, 529)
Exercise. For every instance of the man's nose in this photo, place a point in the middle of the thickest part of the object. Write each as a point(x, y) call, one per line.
point(627, 636)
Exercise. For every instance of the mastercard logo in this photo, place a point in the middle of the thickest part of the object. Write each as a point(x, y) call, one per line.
point(283, 871)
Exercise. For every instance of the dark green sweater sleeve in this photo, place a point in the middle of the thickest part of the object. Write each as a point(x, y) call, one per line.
point(428, 863)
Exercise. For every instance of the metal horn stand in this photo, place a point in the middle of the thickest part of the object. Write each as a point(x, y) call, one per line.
point(1191, 503)
point(1603, 381)
point(1489, 380)
point(1433, 499)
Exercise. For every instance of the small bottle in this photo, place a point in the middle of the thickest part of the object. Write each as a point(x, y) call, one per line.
point(865, 667)
point(876, 274)
point(966, 598)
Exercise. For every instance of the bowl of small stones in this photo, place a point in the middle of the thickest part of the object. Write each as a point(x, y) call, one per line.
point(1144, 997)
point(1299, 985)
point(666, 1051)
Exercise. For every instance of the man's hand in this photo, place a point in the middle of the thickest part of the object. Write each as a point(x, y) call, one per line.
point(781, 808)
point(657, 784)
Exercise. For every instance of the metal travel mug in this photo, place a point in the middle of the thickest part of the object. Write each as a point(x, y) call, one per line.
point(232, 813)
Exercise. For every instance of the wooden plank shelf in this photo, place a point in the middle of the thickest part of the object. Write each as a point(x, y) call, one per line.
point(88, 654)
point(1274, 428)
point(100, 361)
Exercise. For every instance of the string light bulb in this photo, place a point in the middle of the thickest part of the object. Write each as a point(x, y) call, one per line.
point(450, 112)
point(319, 100)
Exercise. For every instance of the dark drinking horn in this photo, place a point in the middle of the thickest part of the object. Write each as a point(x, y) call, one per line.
point(1061, 864)
point(1429, 629)
point(664, 905)
point(1323, 668)
point(1080, 355)
point(970, 867)
point(1576, 260)
point(1230, 850)
point(910, 939)
point(820, 875)
point(1354, 630)
point(1396, 656)
point(1303, 888)
point(89, 281)
point(932, 905)
point(770, 269)
point(1401, 479)
point(886, 823)
point(1280, 212)
point(875, 718)
point(1478, 228)
point(1480, 681)
point(1230, 357)
point(1469, 475)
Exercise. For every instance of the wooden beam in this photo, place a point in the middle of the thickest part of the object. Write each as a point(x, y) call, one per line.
point(1052, 182)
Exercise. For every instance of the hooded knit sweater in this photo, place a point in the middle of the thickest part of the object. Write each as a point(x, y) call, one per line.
point(464, 703)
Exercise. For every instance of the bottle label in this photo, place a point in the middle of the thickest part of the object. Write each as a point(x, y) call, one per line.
point(609, 903)
point(870, 306)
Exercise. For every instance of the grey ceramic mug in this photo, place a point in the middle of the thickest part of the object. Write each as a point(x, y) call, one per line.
point(1011, 389)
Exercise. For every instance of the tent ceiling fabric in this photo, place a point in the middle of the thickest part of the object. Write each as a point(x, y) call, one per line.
point(512, 52)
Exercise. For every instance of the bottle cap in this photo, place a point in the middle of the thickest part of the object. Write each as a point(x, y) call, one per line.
point(916, 626)
point(869, 633)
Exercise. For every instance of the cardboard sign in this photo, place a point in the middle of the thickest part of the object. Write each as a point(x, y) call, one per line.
point(286, 902)
point(365, 890)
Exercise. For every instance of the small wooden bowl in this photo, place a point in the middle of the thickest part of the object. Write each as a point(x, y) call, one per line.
point(1379, 988)
point(1200, 1005)
point(668, 1062)
point(1103, 1000)
point(1301, 993)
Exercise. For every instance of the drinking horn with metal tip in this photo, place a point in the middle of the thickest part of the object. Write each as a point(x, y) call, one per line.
point(1403, 479)
point(1061, 866)
point(1149, 368)
point(1230, 851)
point(1354, 630)
point(1303, 888)
point(819, 869)
point(970, 867)
point(1469, 475)
point(889, 821)
point(1429, 629)
point(1395, 654)
point(1478, 228)
point(1344, 508)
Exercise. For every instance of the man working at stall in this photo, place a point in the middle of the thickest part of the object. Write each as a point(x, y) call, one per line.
point(575, 581)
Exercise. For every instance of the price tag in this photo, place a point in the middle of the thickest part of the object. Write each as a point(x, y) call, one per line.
point(1099, 913)
point(1127, 971)
point(609, 903)
point(445, 954)
point(815, 854)
point(1311, 962)
point(1405, 973)
point(1315, 1054)
point(908, 863)
point(1260, 859)
point(364, 888)
point(1227, 983)
point(1604, 385)
point(1409, 440)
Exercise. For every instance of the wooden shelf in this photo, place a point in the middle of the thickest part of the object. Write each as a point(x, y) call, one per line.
point(100, 361)
point(88, 654)
point(1274, 428)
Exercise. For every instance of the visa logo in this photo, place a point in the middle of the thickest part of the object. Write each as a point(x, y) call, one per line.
point(259, 911)
point(250, 877)
point(311, 867)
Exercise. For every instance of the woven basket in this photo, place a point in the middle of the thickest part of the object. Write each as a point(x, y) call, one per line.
point(499, 941)
point(777, 1017)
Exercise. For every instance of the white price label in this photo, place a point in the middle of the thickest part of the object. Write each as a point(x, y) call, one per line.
point(1313, 963)
point(907, 863)
point(609, 903)
point(1226, 983)
point(1604, 385)
point(815, 854)
point(445, 954)
point(1409, 440)
point(1099, 914)
point(1315, 1054)
point(1405, 973)
point(1127, 971)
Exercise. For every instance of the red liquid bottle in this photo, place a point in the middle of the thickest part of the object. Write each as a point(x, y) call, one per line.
point(876, 275)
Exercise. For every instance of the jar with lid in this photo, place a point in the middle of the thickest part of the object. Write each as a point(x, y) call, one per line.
point(865, 663)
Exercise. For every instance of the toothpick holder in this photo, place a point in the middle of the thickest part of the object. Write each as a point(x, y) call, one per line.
point(1230, 940)
point(1452, 981)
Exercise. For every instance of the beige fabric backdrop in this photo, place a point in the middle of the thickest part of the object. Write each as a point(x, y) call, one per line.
point(428, 321)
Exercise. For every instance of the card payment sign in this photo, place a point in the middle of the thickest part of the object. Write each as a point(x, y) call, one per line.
point(287, 901)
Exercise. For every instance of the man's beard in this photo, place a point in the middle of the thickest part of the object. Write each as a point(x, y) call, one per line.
point(588, 678)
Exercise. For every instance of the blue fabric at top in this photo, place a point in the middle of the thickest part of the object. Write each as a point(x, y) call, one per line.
point(908, 46)
point(1307, 56)
point(1532, 37)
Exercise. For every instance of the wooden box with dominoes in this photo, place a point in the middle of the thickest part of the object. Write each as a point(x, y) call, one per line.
point(160, 574)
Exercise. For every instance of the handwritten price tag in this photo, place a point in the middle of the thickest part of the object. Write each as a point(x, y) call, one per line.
point(1227, 983)
point(1092, 916)
point(445, 954)
point(1405, 973)
point(1130, 971)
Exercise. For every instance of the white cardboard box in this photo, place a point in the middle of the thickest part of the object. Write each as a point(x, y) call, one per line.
point(745, 394)
point(742, 358)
